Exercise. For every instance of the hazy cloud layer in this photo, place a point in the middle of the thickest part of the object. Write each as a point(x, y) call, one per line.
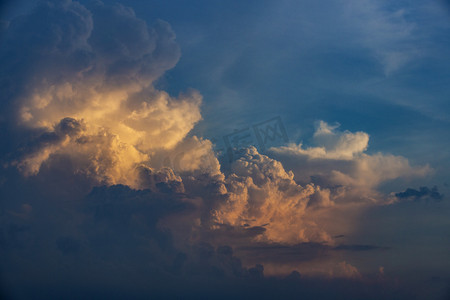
point(387, 33)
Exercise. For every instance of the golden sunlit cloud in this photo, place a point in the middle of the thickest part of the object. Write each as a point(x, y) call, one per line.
point(86, 106)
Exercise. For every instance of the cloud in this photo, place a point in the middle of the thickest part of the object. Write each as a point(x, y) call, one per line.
point(345, 270)
point(386, 30)
point(105, 185)
point(78, 70)
point(261, 193)
point(334, 144)
point(193, 155)
point(112, 232)
point(113, 237)
point(309, 258)
point(339, 162)
point(357, 247)
point(423, 193)
point(99, 156)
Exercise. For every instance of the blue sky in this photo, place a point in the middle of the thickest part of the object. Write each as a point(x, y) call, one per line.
point(377, 67)
point(361, 87)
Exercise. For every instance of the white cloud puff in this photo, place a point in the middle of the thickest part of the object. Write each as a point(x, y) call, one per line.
point(339, 160)
point(261, 193)
point(333, 145)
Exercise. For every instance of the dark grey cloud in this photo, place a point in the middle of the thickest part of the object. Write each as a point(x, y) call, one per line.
point(57, 44)
point(112, 244)
point(302, 252)
point(285, 253)
point(95, 241)
point(423, 193)
point(39, 139)
point(359, 247)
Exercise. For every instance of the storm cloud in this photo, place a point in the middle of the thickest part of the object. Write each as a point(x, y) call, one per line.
point(105, 187)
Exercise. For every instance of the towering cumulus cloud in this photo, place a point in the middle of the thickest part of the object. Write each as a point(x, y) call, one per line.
point(82, 89)
point(325, 185)
point(99, 171)
point(261, 193)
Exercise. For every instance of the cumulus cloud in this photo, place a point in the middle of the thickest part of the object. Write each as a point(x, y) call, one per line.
point(333, 145)
point(83, 118)
point(99, 156)
point(88, 107)
point(80, 71)
point(193, 155)
point(115, 182)
point(261, 193)
point(339, 161)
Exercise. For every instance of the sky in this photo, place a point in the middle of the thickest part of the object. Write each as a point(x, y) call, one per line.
point(225, 149)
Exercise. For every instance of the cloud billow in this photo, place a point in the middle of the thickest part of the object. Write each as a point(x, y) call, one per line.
point(77, 66)
point(103, 180)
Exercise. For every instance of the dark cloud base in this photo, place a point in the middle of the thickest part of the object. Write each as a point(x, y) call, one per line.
point(109, 245)
point(160, 286)
point(207, 289)
point(423, 193)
